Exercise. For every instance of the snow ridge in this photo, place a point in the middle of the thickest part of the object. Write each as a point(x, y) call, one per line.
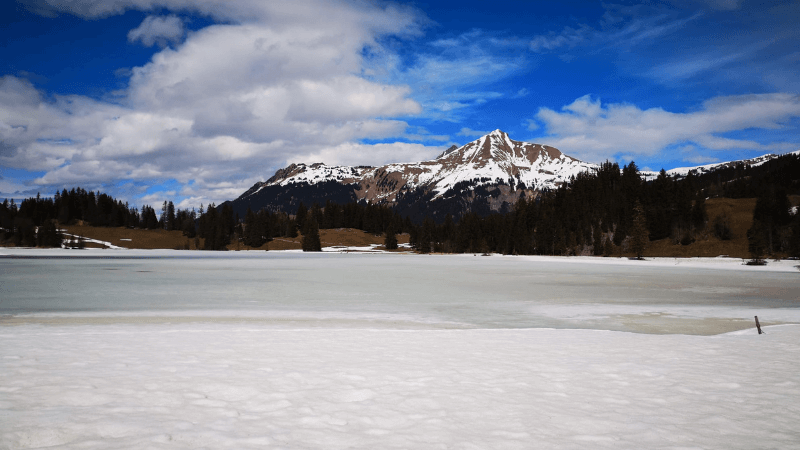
point(489, 160)
point(485, 161)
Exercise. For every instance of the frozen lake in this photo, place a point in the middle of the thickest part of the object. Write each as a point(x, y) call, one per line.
point(189, 350)
point(398, 291)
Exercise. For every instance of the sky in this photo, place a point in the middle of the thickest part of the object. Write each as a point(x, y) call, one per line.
point(194, 101)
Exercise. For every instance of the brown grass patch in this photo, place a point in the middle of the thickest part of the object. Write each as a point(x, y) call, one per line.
point(161, 239)
point(347, 237)
point(139, 239)
point(707, 245)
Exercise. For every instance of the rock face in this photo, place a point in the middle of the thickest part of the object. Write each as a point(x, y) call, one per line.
point(486, 175)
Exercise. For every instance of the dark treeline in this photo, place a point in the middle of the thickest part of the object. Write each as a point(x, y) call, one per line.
point(35, 221)
point(744, 181)
point(606, 212)
point(593, 214)
point(614, 211)
point(220, 227)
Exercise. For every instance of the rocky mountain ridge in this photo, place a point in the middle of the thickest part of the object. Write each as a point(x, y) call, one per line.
point(486, 175)
point(491, 159)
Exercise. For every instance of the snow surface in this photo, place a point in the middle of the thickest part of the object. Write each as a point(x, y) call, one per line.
point(227, 386)
point(169, 349)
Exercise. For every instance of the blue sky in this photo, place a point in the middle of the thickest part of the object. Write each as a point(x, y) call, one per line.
point(196, 100)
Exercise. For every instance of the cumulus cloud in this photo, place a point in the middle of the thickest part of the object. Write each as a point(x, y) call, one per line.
point(276, 82)
point(592, 131)
point(158, 30)
point(350, 153)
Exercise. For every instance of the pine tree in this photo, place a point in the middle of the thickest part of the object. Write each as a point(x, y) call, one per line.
point(390, 242)
point(608, 247)
point(794, 240)
point(597, 240)
point(162, 221)
point(756, 242)
point(639, 234)
point(300, 216)
point(170, 222)
point(311, 241)
point(699, 215)
point(48, 235)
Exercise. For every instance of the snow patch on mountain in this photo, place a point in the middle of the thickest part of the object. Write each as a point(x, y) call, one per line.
point(699, 170)
point(491, 159)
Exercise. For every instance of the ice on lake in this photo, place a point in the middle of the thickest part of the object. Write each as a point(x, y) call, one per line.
point(288, 350)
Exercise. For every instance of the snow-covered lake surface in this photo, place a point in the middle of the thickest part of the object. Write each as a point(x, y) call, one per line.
point(166, 349)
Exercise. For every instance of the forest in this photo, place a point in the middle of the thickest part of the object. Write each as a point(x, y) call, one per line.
point(604, 212)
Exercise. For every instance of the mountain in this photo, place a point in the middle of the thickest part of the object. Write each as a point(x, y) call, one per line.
point(487, 174)
point(681, 172)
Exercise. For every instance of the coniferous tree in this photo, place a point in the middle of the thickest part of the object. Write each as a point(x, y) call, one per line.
point(170, 222)
point(722, 225)
point(25, 234)
point(639, 233)
point(300, 216)
point(699, 215)
point(608, 247)
point(48, 235)
point(162, 220)
point(756, 242)
point(794, 240)
point(311, 241)
point(597, 240)
point(188, 226)
point(390, 242)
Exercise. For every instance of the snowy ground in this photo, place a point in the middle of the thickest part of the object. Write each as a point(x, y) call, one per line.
point(169, 359)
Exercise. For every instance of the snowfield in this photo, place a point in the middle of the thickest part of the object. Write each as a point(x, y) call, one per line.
point(260, 350)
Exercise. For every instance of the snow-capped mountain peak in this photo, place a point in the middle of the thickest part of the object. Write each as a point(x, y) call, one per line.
point(488, 174)
point(489, 160)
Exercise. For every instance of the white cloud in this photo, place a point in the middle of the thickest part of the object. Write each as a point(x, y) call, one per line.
point(592, 131)
point(226, 107)
point(158, 30)
point(350, 153)
point(701, 159)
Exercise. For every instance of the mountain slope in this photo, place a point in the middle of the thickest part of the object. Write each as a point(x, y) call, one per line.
point(505, 168)
point(486, 175)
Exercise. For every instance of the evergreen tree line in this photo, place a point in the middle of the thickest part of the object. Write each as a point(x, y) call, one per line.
point(774, 229)
point(35, 221)
point(593, 214)
point(600, 213)
point(606, 212)
point(748, 181)
point(260, 227)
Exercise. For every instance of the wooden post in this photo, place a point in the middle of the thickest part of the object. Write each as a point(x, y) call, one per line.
point(758, 325)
